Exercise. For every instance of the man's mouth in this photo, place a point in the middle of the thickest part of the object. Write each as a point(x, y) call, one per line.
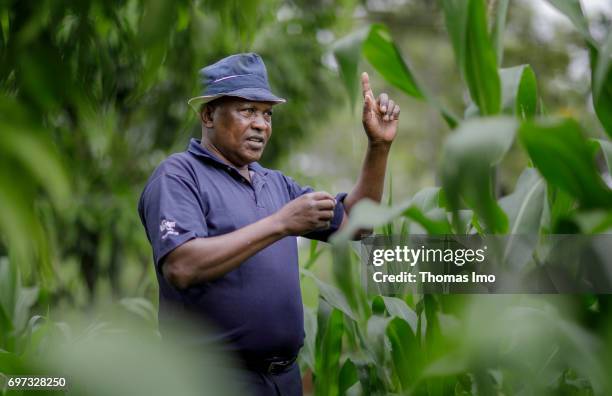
point(255, 139)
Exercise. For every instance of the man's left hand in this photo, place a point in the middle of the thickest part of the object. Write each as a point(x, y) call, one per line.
point(380, 116)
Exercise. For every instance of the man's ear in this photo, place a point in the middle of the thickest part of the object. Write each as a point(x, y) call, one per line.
point(206, 115)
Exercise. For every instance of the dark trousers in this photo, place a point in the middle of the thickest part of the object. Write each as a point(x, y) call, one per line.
point(287, 383)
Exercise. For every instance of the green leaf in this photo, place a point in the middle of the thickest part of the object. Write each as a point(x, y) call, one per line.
point(434, 222)
point(120, 355)
point(369, 214)
point(559, 205)
point(519, 91)
point(9, 284)
point(377, 46)
point(353, 334)
point(405, 352)
point(6, 327)
point(310, 328)
point(499, 26)
point(562, 155)
point(37, 333)
point(480, 61)
point(595, 221)
point(573, 10)
point(370, 382)
point(328, 356)
point(452, 363)
point(466, 22)
point(468, 157)
point(606, 149)
point(348, 376)
point(332, 295)
point(313, 247)
point(36, 154)
point(524, 208)
point(525, 205)
point(140, 307)
point(314, 254)
point(27, 151)
point(398, 308)
point(456, 16)
point(376, 340)
point(429, 198)
point(601, 83)
point(388, 228)
point(382, 53)
point(602, 67)
point(378, 305)
point(10, 363)
point(154, 33)
point(26, 298)
point(156, 22)
point(425, 208)
point(347, 275)
point(347, 51)
point(18, 221)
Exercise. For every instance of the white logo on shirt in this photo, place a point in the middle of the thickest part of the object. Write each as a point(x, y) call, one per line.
point(167, 228)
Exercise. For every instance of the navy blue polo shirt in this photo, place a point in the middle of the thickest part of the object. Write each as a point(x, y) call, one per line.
point(257, 307)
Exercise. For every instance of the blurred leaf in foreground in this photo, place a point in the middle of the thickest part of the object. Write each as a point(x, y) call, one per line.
point(519, 91)
point(601, 83)
point(469, 155)
point(563, 156)
point(466, 22)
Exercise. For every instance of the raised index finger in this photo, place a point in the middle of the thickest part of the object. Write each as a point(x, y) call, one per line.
point(365, 86)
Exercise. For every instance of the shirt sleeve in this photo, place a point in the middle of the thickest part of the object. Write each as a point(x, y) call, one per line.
point(295, 190)
point(172, 212)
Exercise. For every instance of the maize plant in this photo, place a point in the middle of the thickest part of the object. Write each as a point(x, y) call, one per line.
point(424, 344)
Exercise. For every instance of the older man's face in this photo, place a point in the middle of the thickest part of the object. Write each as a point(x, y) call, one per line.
point(241, 129)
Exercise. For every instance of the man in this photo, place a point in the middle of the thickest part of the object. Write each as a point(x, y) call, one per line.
point(223, 228)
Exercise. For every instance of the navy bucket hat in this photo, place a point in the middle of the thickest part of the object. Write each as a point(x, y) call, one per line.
point(241, 75)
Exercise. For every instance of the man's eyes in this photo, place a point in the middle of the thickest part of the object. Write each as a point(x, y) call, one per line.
point(251, 110)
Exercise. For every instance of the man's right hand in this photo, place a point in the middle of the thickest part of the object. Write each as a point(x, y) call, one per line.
point(309, 212)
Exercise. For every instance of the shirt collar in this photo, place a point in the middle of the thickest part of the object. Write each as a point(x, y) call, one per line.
point(195, 147)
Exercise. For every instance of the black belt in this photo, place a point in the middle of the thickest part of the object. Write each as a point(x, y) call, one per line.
point(275, 365)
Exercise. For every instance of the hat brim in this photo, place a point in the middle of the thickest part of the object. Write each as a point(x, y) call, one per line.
point(254, 94)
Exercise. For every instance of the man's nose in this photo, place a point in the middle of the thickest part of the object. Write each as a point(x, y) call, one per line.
point(259, 122)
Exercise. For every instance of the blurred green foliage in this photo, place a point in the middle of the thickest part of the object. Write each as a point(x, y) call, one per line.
point(93, 96)
point(120, 352)
point(421, 344)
